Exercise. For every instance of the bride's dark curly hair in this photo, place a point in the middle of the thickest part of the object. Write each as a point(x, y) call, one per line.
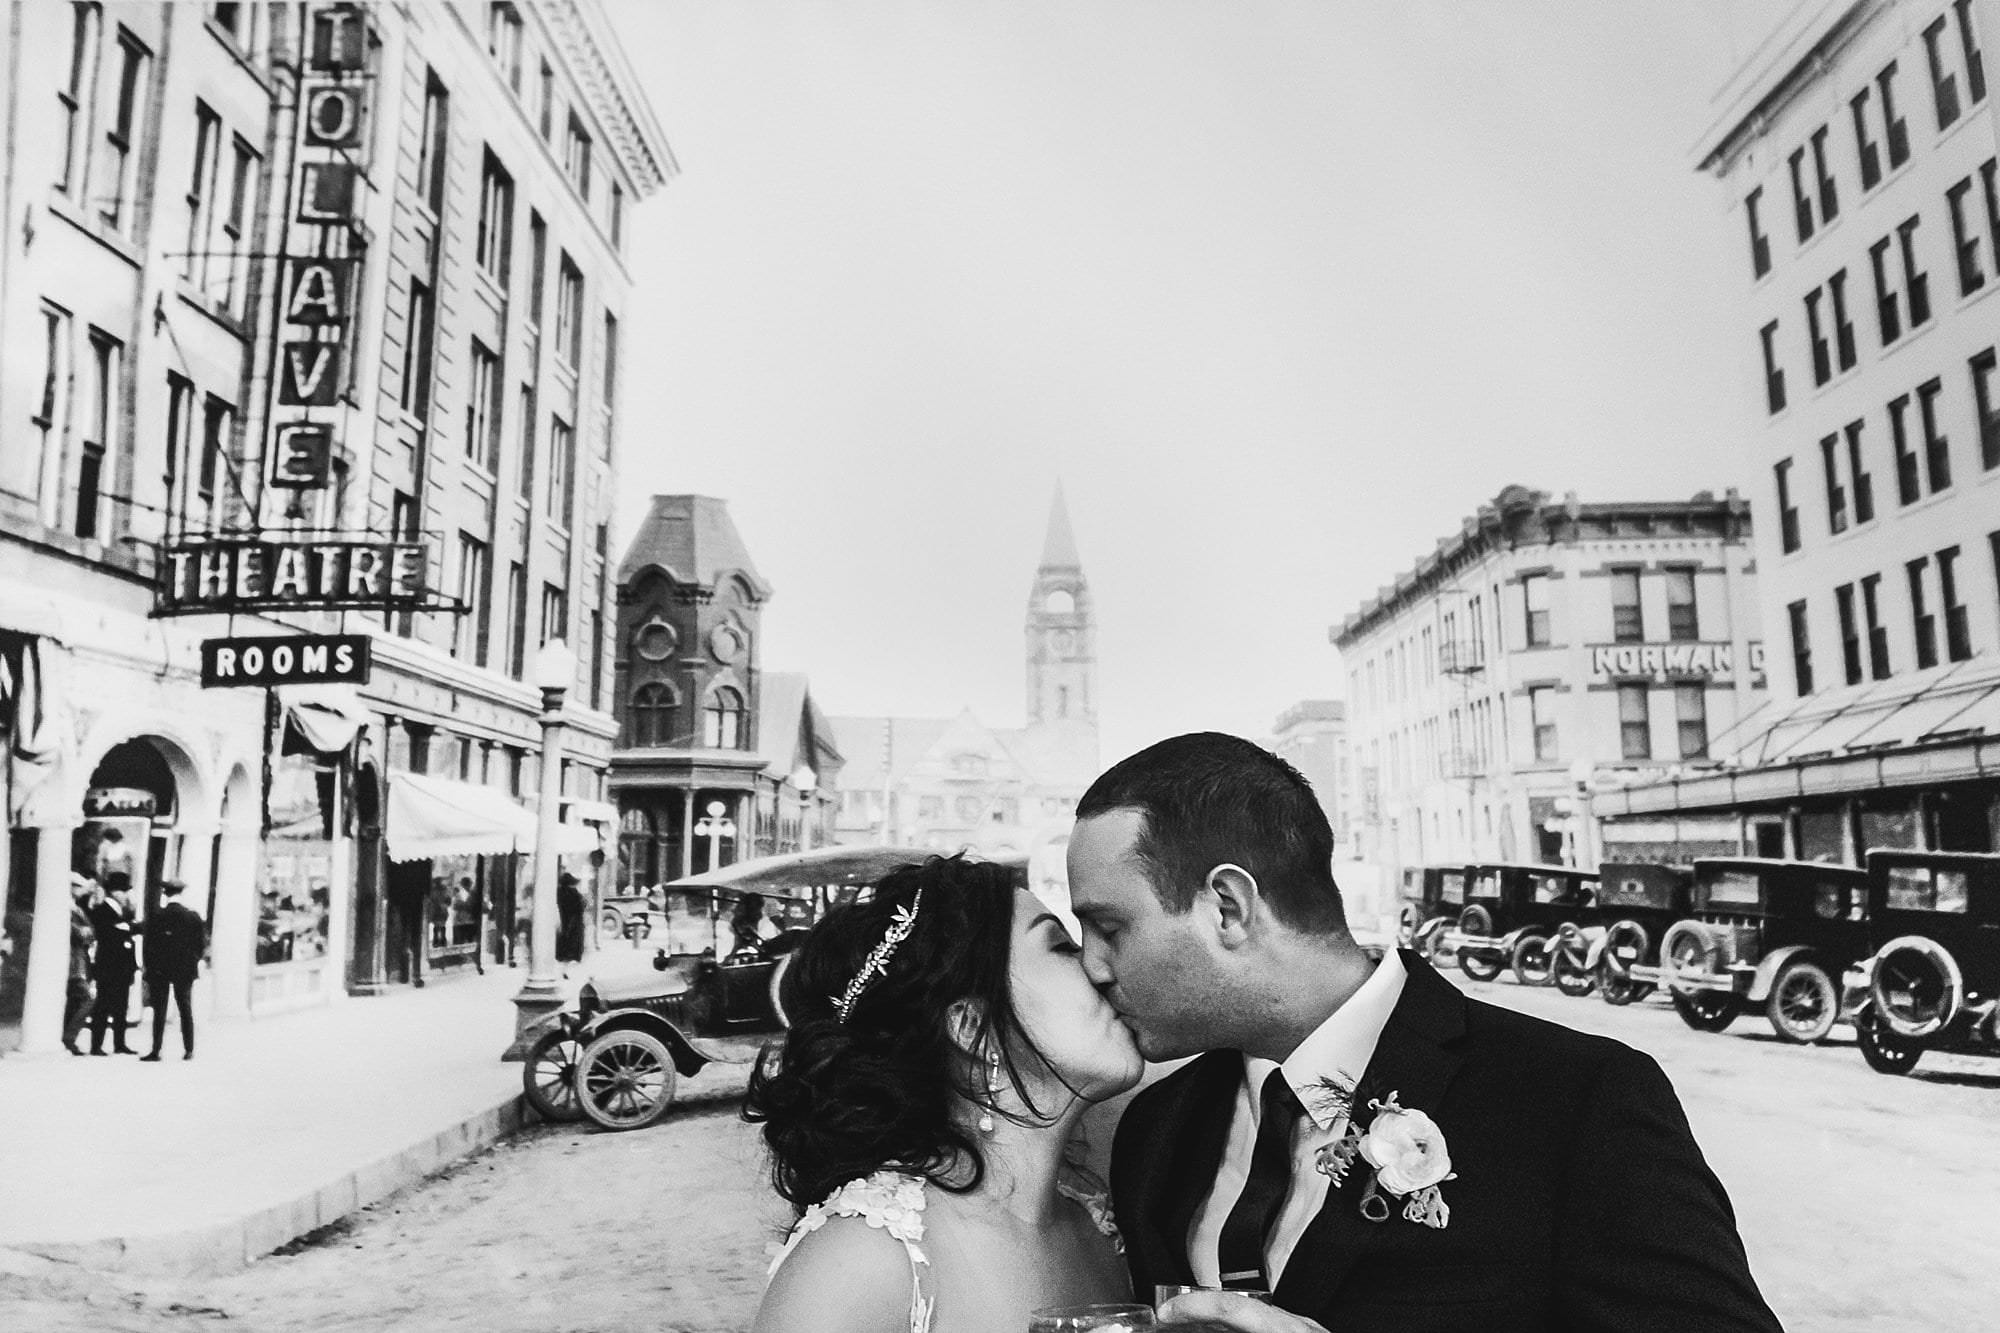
point(846, 1098)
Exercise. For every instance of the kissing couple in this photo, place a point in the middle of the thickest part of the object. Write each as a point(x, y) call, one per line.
point(1357, 1139)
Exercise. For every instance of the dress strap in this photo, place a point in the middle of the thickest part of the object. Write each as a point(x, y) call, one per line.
point(889, 1201)
point(1096, 1202)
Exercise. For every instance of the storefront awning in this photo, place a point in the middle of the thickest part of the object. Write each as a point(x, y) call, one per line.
point(577, 810)
point(321, 718)
point(431, 816)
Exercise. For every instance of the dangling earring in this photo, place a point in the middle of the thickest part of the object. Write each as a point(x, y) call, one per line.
point(992, 1089)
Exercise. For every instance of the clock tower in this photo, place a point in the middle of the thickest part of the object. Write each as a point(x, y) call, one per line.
point(1062, 638)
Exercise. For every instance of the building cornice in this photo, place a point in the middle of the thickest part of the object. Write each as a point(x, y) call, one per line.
point(1791, 58)
point(596, 59)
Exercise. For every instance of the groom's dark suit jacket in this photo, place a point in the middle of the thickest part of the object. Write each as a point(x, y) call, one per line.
point(1581, 1200)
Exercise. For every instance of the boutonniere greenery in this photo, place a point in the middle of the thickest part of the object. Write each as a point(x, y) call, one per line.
point(1403, 1148)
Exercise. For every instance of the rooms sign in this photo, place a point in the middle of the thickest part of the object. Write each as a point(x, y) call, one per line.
point(305, 659)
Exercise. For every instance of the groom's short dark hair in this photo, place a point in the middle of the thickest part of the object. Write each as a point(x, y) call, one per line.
point(1210, 798)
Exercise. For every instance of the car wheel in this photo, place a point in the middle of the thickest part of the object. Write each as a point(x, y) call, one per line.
point(1804, 1002)
point(1691, 947)
point(1533, 961)
point(625, 1079)
point(1915, 986)
point(1407, 921)
point(610, 924)
point(1479, 964)
point(1475, 920)
point(548, 1078)
point(1705, 1010)
point(1619, 988)
point(777, 979)
point(1571, 976)
point(1885, 1052)
point(1625, 944)
point(1430, 941)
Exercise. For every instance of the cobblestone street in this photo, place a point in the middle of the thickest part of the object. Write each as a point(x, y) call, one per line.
point(1855, 1221)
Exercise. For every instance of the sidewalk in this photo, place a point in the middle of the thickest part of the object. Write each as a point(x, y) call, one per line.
point(277, 1127)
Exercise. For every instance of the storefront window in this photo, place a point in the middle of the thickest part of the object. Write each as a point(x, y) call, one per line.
point(294, 891)
point(456, 902)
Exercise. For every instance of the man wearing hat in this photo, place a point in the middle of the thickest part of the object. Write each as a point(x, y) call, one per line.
point(174, 936)
point(81, 996)
point(114, 963)
point(569, 920)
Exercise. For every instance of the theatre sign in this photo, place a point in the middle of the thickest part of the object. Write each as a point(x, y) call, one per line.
point(1678, 661)
point(211, 575)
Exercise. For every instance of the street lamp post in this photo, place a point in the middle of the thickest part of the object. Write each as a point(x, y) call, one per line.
point(553, 670)
point(715, 825)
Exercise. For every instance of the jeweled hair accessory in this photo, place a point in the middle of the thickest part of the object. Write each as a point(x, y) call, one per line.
point(877, 961)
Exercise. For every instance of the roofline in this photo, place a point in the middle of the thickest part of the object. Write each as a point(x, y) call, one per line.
point(1791, 57)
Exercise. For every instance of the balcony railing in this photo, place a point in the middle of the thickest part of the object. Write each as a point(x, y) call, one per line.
point(1461, 657)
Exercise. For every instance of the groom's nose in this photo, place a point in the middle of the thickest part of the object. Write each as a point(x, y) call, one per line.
point(1095, 965)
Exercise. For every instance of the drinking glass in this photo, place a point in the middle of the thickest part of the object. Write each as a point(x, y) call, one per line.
point(1166, 1291)
point(1092, 1319)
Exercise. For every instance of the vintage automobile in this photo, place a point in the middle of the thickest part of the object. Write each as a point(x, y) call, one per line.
point(1511, 914)
point(617, 1056)
point(1779, 934)
point(1619, 955)
point(1933, 982)
point(1432, 899)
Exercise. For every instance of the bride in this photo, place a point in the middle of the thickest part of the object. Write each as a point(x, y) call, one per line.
point(944, 1042)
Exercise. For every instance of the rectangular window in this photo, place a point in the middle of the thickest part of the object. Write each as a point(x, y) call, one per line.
point(1822, 350)
point(51, 414)
point(244, 164)
point(517, 619)
point(434, 145)
point(1802, 676)
point(201, 192)
point(1878, 633)
point(569, 313)
point(1843, 327)
point(610, 403)
point(1909, 485)
point(1635, 724)
point(1916, 283)
point(1944, 82)
point(218, 420)
point(562, 470)
point(1887, 306)
point(596, 659)
point(469, 630)
point(115, 182)
point(576, 156)
point(555, 612)
point(74, 96)
point(1965, 242)
point(524, 444)
point(1691, 716)
point(482, 410)
point(1802, 209)
point(1683, 615)
point(1535, 598)
point(495, 238)
point(1541, 716)
point(180, 445)
point(1829, 196)
point(1788, 513)
point(1986, 408)
point(1894, 127)
point(415, 396)
point(1937, 449)
point(98, 454)
point(1989, 188)
point(503, 41)
point(1627, 619)
point(538, 263)
point(1836, 494)
point(1968, 45)
point(1865, 148)
point(617, 217)
point(1957, 629)
point(1774, 374)
point(1850, 633)
point(1760, 244)
point(546, 101)
point(1922, 623)
point(1857, 476)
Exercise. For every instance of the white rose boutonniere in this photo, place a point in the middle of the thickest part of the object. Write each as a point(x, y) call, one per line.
point(1407, 1151)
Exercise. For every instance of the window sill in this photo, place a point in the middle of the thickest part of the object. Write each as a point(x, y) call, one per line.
point(197, 300)
point(62, 206)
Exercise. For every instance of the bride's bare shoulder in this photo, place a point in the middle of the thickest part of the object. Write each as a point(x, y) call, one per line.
point(845, 1276)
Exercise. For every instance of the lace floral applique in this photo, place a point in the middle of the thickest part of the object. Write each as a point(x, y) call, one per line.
point(1098, 1204)
point(888, 1201)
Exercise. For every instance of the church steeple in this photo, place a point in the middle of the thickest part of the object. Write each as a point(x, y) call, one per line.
point(1061, 635)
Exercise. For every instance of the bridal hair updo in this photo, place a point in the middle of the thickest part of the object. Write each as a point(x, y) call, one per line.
point(846, 1097)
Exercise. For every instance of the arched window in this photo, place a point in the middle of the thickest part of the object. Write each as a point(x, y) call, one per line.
point(652, 714)
point(722, 720)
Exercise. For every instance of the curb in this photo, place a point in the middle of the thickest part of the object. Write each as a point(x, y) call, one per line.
point(221, 1248)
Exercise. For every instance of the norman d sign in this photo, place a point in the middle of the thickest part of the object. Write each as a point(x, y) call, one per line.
point(305, 659)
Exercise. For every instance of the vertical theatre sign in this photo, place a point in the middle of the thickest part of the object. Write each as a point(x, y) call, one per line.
point(326, 247)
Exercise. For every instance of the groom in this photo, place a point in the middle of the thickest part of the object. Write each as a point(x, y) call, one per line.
point(1527, 1177)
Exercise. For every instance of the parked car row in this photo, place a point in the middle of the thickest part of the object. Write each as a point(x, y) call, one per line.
point(1906, 946)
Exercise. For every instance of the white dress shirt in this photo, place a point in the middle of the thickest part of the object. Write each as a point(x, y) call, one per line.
point(1338, 1049)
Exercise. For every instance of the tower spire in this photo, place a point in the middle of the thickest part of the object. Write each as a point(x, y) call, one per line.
point(1059, 546)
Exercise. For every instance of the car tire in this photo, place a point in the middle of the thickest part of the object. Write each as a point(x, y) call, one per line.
point(1915, 986)
point(1804, 1002)
point(1629, 936)
point(1475, 920)
point(1885, 1051)
point(777, 980)
point(1691, 945)
point(1572, 978)
point(625, 1079)
point(1705, 1011)
point(1618, 988)
point(611, 924)
point(1407, 921)
point(1533, 960)
point(548, 1077)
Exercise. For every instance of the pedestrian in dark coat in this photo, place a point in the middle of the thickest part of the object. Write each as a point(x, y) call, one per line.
point(569, 920)
point(174, 939)
point(81, 996)
point(112, 966)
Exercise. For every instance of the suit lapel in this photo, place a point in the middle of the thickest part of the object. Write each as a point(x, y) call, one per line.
point(1415, 1061)
point(1197, 1126)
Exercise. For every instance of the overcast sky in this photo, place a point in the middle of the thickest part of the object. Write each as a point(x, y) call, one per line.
point(1281, 292)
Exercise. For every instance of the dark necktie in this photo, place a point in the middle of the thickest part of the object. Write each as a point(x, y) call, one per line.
point(1241, 1252)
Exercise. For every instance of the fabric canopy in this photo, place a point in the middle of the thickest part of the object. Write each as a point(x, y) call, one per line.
point(321, 718)
point(431, 816)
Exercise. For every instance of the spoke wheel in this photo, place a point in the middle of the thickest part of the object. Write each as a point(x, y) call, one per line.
point(1705, 1010)
point(625, 1079)
point(548, 1079)
point(1533, 962)
point(1479, 964)
point(1572, 977)
point(1804, 1003)
point(1617, 987)
point(1885, 1052)
point(1407, 921)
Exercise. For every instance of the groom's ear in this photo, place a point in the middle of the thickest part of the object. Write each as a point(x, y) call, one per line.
point(1233, 890)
